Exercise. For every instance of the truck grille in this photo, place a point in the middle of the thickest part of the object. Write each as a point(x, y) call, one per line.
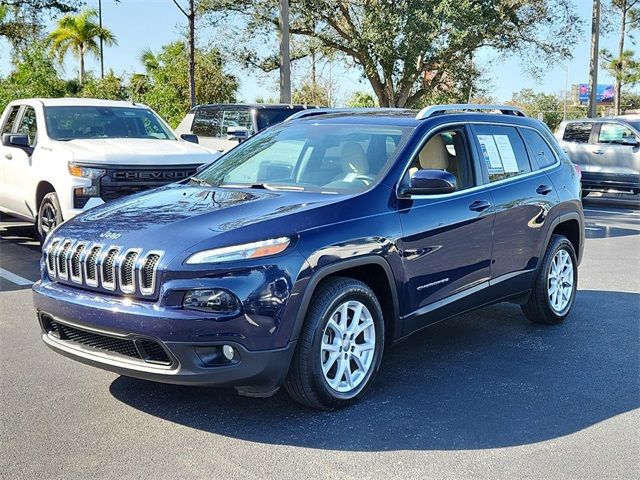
point(99, 266)
point(124, 180)
point(143, 349)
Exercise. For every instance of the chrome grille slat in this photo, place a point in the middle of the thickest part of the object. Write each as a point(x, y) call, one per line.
point(76, 262)
point(62, 261)
point(147, 272)
point(91, 265)
point(111, 267)
point(51, 258)
point(127, 271)
point(108, 268)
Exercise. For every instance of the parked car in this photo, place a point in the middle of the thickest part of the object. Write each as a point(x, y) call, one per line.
point(607, 151)
point(307, 249)
point(62, 156)
point(221, 126)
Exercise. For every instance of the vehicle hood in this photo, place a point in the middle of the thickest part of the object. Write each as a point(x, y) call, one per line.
point(137, 151)
point(178, 216)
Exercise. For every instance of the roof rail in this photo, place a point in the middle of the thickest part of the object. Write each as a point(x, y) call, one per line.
point(312, 112)
point(434, 110)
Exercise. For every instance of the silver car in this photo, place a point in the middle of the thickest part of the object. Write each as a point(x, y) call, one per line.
point(607, 150)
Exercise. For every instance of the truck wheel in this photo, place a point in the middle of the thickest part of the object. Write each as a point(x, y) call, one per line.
point(49, 216)
point(555, 287)
point(340, 346)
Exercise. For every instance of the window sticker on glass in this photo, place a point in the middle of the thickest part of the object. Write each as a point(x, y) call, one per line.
point(509, 162)
point(491, 154)
point(498, 154)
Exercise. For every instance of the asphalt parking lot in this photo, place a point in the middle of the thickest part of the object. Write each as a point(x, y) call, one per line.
point(487, 394)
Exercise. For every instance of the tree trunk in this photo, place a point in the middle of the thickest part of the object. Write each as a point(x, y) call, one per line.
point(81, 70)
point(192, 53)
point(618, 80)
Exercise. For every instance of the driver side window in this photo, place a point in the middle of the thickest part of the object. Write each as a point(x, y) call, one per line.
point(446, 151)
point(28, 125)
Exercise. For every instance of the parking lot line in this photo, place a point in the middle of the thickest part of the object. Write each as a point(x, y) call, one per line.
point(13, 278)
point(618, 212)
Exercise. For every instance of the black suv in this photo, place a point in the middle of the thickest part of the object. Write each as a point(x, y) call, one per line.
point(302, 253)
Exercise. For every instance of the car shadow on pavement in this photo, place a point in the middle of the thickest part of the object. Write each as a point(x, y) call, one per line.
point(482, 380)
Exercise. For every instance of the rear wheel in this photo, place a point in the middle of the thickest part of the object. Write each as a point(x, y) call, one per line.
point(555, 288)
point(49, 216)
point(340, 346)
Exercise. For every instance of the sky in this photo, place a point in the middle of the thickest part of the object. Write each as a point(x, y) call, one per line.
point(141, 24)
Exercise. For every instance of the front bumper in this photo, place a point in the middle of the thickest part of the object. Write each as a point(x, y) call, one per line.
point(108, 332)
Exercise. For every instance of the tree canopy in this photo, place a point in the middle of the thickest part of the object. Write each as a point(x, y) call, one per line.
point(409, 50)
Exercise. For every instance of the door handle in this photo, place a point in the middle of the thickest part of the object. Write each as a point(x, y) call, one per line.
point(479, 205)
point(544, 189)
point(597, 152)
point(8, 156)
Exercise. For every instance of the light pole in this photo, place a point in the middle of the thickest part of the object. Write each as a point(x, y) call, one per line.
point(566, 88)
point(101, 49)
point(593, 66)
point(285, 60)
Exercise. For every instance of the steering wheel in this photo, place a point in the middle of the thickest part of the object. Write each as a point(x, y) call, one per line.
point(366, 179)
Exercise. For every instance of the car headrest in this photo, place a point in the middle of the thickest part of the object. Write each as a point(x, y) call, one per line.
point(434, 155)
point(354, 159)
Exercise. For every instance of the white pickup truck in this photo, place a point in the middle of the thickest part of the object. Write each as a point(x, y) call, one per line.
point(59, 157)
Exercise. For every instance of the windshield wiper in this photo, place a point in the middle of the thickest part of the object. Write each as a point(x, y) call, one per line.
point(263, 186)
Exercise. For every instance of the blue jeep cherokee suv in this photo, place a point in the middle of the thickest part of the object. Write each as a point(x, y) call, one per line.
point(302, 253)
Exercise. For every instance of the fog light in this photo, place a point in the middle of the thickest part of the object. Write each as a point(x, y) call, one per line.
point(215, 301)
point(228, 352)
point(86, 191)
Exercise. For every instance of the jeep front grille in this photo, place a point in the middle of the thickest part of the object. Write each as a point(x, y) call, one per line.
point(94, 265)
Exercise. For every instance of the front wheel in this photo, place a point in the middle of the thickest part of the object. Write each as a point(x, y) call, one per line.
point(49, 216)
point(555, 287)
point(340, 346)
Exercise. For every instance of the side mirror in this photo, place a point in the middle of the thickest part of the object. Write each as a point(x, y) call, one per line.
point(20, 140)
point(189, 137)
point(237, 133)
point(431, 182)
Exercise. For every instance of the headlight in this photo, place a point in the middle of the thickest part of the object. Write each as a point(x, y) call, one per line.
point(240, 252)
point(85, 172)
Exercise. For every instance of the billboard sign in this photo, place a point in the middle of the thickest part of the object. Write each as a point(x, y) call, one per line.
point(604, 93)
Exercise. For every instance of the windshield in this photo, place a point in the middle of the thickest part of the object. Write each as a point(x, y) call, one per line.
point(309, 157)
point(70, 123)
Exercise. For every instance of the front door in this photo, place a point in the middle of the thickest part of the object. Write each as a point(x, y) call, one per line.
point(17, 166)
point(446, 239)
point(610, 155)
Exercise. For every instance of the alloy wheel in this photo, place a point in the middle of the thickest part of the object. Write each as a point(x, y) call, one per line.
point(348, 346)
point(560, 281)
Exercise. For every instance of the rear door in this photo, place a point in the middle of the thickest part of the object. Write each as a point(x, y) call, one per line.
point(522, 195)
point(576, 142)
point(446, 239)
point(610, 155)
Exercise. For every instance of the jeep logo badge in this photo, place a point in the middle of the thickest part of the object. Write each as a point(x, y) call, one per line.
point(110, 235)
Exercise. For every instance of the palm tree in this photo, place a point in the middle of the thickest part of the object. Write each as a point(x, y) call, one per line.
point(80, 33)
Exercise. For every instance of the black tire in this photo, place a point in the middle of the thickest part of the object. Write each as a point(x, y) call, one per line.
point(49, 216)
point(306, 382)
point(538, 308)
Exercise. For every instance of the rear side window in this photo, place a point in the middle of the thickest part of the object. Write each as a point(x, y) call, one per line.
point(502, 151)
point(539, 149)
point(577, 132)
point(13, 113)
point(211, 122)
